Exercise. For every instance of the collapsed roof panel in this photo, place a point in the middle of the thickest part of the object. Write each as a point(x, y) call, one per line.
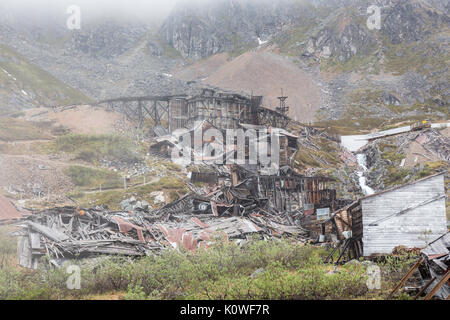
point(7, 211)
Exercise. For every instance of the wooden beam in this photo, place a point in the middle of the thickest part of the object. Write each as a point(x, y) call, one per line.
point(425, 287)
point(433, 291)
point(344, 249)
point(406, 277)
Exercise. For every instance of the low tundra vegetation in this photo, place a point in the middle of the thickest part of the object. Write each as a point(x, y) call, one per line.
point(257, 269)
point(95, 148)
point(90, 177)
point(12, 129)
point(172, 187)
point(254, 269)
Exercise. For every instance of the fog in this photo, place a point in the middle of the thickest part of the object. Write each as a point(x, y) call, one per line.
point(90, 9)
point(46, 14)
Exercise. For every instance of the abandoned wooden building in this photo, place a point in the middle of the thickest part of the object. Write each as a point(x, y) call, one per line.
point(224, 110)
point(289, 191)
point(219, 148)
point(410, 215)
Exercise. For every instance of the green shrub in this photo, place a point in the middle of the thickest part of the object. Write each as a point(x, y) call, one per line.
point(395, 267)
point(226, 270)
point(135, 292)
point(89, 177)
point(311, 281)
point(7, 247)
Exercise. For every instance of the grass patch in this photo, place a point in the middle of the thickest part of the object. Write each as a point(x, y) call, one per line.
point(363, 125)
point(433, 167)
point(355, 63)
point(95, 148)
point(239, 47)
point(46, 89)
point(396, 176)
point(12, 129)
point(326, 156)
point(430, 107)
point(24, 149)
point(173, 187)
point(305, 159)
point(350, 126)
point(290, 41)
point(91, 178)
point(7, 248)
point(392, 156)
point(286, 269)
point(413, 56)
point(9, 114)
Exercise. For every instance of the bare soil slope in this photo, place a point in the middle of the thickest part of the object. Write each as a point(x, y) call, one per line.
point(83, 119)
point(30, 177)
point(261, 72)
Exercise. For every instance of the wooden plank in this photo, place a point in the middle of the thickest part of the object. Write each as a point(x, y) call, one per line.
point(52, 234)
point(35, 240)
point(438, 286)
point(425, 287)
point(406, 277)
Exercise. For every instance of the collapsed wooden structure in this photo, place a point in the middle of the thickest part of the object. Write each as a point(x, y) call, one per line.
point(433, 266)
point(217, 148)
point(191, 222)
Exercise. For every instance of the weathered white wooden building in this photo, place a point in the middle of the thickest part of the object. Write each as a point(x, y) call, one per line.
point(410, 215)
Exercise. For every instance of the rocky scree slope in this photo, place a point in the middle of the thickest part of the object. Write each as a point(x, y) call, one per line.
point(399, 71)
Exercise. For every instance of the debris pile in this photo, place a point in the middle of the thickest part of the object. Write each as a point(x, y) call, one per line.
point(191, 222)
point(434, 270)
point(435, 143)
point(437, 268)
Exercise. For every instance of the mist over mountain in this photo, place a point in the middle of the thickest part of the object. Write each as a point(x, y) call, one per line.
point(322, 52)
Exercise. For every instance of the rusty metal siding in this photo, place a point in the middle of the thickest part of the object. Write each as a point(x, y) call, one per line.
point(7, 211)
point(426, 198)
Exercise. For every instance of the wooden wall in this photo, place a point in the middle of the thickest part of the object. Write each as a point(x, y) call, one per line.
point(409, 228)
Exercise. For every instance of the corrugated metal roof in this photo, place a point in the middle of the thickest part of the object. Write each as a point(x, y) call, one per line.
point(439, 247)
point(7, 210)
point(403, 185)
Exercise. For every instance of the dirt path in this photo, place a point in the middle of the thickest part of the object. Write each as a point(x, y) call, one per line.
point(92, 191)
point(45, 159)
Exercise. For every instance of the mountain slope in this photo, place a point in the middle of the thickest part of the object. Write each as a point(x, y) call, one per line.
point(24, 85)
point(113, 54)
point(260, 72)
point(399, 71)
